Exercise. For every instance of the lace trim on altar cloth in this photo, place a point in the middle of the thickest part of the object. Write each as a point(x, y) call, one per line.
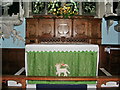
point(61, 47)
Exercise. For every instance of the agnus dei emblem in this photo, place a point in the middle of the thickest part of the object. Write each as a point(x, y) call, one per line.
point(62, 68)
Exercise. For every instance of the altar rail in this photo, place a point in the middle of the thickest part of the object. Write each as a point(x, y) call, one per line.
point(22, 79)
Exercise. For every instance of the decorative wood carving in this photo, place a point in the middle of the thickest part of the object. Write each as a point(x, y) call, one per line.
point(63, 27)
point(32, 30)
point(48, 29)
point(61, 40)
point(80, 27)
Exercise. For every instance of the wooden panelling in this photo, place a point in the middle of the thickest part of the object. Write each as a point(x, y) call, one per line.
point(32, 28)
point(95, 28)
point(114, 62)
point(63, 27)
point(12, 60)
point(50, 29)
point(81, 27)
point(110, 61)
point(46, 27)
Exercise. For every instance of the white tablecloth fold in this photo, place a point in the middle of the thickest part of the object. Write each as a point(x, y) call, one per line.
point(60, 47)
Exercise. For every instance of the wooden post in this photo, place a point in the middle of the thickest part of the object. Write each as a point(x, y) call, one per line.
point(23, 82)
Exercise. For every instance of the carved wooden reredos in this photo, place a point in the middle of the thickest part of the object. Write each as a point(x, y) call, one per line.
point(77, 29)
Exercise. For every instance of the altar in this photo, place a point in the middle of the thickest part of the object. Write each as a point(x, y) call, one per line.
point(61, 60)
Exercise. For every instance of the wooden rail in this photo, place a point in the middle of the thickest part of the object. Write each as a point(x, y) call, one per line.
point(22, 79)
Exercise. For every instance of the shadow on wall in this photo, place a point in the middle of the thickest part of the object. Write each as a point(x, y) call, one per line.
point(119, 38)
point(112, 37)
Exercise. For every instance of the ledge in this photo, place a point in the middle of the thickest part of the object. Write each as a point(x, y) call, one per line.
point(62, 17)
point(115, 18)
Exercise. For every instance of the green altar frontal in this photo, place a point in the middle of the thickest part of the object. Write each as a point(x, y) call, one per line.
point(61, 60)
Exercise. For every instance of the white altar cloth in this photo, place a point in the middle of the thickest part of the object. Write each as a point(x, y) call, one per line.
point(62, 47)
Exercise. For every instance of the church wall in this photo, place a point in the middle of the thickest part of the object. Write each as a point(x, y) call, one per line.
point(112, 37)
point(13, 54)
point(8, 43)
point(118, 38)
